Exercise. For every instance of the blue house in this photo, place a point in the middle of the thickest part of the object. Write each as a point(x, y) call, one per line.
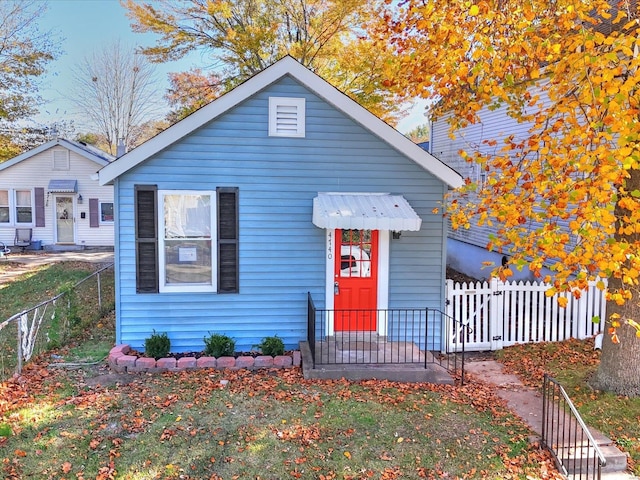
point(283, 189)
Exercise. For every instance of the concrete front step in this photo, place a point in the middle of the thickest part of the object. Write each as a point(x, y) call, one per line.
point(412, 373)
point(616, 460)
point(586, 467)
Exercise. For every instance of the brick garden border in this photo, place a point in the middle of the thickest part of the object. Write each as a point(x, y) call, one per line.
point(121, 362)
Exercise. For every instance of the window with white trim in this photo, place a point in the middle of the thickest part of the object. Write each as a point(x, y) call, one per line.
point(24, 207)
point(286, 117)
point(187, 254)
point(106, 212)
point(60, 160)
point(16, 207)
point(5, 208)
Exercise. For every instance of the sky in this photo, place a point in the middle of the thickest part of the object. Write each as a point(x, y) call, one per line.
point(89, 25)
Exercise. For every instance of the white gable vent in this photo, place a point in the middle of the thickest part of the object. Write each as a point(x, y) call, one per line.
point(286, 117)
point(61, 160)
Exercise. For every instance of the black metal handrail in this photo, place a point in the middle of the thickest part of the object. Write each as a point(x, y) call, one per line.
point(566, 436)
point(411, 336)
point(311, 327)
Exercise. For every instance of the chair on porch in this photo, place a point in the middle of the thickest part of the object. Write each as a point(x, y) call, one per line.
point(22, 238)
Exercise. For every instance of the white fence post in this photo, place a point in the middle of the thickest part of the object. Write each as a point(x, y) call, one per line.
point(496, 315)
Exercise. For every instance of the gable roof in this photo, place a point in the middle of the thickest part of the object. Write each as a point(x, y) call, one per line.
point(287, 66)
point(90, 153)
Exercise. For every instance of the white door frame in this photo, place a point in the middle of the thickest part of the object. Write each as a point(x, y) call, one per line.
point(383, 280)
point(74, 207)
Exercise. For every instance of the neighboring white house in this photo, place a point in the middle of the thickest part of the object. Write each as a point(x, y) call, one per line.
point(54, 191)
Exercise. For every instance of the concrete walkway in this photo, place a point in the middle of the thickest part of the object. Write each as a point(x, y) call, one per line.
point(526, 403)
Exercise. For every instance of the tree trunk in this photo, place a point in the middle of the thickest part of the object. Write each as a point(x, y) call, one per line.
point(619, 370)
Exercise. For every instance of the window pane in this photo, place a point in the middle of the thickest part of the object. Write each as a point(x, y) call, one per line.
point(23, 214)
point(187, 239)
point(4, 206)
point(106, 212)
point(355, 253)
point(188, 262)
point(23, 198)
point(187, 216)
point(23, 206)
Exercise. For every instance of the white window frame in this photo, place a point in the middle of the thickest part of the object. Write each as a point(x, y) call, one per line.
point(31, 205)
point(7, 206)
point(13, 207)
point(300, 116)
point(100, 220)
point(187, 287)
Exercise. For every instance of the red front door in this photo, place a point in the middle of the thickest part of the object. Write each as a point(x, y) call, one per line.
point(356, 280)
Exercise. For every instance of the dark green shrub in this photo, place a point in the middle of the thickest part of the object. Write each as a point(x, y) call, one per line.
point(157, 345)
point(273, 346)
point(218, 345)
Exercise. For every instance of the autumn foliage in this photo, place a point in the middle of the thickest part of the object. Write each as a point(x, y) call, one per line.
point(567, 194)
point(239, 38)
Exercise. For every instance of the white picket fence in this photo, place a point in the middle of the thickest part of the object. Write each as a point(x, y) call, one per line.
point(498, 314)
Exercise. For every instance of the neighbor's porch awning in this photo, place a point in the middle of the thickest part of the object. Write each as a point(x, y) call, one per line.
point(63, 186)
point(364, 211)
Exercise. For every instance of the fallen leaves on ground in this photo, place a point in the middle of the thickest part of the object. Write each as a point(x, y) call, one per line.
point(225, 427)
point(531, 361)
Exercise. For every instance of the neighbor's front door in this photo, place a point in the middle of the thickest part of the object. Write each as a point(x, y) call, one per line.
point(356, 280)
point(65, 229)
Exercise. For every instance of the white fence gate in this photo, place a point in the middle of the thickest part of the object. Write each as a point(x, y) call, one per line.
point(499, 314)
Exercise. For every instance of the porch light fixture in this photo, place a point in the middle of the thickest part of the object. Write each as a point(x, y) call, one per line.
point(80, 199)
point(396, 235)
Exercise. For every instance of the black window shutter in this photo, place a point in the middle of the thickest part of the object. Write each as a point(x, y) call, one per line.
point(39, 194)
point(228, 233)
point(146, 208)
point(94, 219)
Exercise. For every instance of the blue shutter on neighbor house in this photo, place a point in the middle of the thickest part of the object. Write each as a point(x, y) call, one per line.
point(39, 194)
point(146, 207)
point(94, 213)
point(228, 233)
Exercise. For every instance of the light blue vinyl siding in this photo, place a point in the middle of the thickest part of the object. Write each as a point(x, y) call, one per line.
point(282, 254)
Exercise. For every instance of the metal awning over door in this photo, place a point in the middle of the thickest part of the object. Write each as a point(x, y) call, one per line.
point(364, 211)
point(63, 186)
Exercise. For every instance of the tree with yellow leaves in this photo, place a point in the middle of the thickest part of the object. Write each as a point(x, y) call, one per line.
point(242, 37)
point(568, 195)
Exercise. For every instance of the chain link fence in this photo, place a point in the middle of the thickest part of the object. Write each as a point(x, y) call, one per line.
point(53, 322)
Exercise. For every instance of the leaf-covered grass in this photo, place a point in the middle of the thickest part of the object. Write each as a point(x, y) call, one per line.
point(39, 284)
point(74, 318)
point(267, 425)
point(573, 363)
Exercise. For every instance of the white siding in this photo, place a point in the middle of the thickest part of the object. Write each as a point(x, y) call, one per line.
point(37, 171)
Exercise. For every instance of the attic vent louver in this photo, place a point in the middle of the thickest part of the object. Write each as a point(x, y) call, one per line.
point(286, 117)
point(60, 160)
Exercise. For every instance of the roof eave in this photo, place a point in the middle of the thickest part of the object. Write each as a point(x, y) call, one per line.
point(50, 144)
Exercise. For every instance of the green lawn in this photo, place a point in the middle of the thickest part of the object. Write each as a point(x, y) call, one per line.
point(76, 316)
point(39, 284)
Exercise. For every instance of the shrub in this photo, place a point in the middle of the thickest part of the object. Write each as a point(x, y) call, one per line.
point(218, 345)
point(157, 345)
point(273, 346)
